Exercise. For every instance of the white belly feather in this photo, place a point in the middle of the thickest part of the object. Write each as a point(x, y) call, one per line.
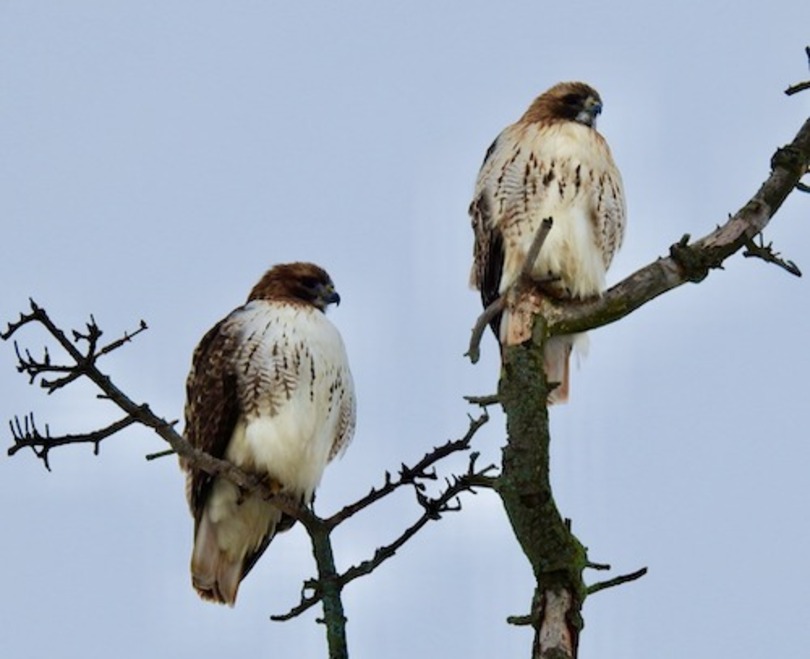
point(564, 171)
point(294, 384)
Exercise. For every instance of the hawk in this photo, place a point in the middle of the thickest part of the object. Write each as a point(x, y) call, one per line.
point(551, 163)
point(270, 390)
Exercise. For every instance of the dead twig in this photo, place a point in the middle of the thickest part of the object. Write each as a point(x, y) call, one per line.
point(474, 350)
point(498, 305)
point(616, 581)
point(801, 86)
point(766, 253)
point(433, 509)
point(414, 475)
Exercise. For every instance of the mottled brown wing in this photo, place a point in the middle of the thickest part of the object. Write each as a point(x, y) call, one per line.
point(212, 405)
point(611, 215)
point(488, 255)
point(348, 414)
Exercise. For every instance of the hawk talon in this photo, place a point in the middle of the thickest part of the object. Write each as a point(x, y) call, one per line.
point(272, 484)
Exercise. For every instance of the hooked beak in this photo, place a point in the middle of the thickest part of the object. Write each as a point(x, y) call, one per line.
point(592, 109)
point(330, 296)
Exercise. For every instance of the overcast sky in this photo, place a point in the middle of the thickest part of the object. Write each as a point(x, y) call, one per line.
point(157, 157)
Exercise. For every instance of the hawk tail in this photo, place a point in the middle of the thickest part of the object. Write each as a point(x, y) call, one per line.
point(214, 574)
point(226, 546)
point(557, 362)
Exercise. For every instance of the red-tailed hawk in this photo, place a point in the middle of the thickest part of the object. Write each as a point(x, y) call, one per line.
point(269, 390)
point(551, 163)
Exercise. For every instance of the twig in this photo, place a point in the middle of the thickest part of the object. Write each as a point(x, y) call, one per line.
point(497, 306)
point(536, 246)
point(160, 454)
point(124, 339)
point(801, 86)
point(483, 401)
point(766, 253)
point(83, 362)
point(433, 509)
point(27, 435)
point(410, 475)
point(616, 581)
point(798, 87)
point(474, 350)
point(521, 621)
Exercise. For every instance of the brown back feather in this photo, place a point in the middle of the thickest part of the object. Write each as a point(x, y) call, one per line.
point(488, 257)
point(212, 406)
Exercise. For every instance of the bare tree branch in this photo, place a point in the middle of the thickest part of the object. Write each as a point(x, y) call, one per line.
point(524, 279)
point(534, 249)
point(433, 509)
point(483, 401)
point(411, 475)
point(801, 86)
point(616, 581)
point(474, 349)
point(766, 253)
point(27, 435)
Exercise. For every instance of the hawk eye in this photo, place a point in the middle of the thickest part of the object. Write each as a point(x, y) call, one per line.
point(572, 99)
point(310, 282)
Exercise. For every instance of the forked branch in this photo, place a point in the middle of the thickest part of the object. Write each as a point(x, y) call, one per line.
point(433, 508)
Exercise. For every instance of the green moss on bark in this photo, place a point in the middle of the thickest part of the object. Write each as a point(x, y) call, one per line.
point(556, 556)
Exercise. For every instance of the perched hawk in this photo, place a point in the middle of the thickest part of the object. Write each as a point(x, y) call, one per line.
point(269, 390)
point(551, 163)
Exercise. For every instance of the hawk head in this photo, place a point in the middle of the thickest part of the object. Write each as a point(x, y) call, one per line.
point(566, 101)
point(297, 282)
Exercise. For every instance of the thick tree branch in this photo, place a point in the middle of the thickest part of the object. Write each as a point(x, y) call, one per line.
point(556, 556)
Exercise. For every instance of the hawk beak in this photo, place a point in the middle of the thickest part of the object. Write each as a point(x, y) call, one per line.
point(330, 296)
point(590, 111)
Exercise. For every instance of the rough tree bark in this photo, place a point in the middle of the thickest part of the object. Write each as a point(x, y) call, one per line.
point(556, 556)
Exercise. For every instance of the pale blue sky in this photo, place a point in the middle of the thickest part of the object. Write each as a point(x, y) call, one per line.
point(157, 157)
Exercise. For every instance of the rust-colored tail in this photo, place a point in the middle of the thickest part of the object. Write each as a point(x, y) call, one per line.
point(214, 574)
point(557, 359)
point(230, 536)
